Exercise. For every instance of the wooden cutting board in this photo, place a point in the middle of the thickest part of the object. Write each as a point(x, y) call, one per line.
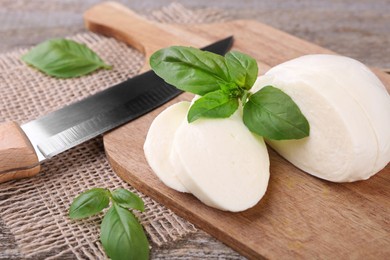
point(300, 216)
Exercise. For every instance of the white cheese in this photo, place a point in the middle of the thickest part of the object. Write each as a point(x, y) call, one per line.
point(158, 144)
point(221, 162)
point(348, 110)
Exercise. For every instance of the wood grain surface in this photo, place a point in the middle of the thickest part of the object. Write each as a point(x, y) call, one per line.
point(17, 156)
point(356, 28)
point(300, 216)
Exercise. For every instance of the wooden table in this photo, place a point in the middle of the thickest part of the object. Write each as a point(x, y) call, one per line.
point(359, 29)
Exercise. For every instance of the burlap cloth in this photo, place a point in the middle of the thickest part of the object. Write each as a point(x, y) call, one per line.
point(35, 210)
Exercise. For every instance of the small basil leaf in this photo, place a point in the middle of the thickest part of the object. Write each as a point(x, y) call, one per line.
point(190, 69)
point(215, 104)
point(122, 236)
point(273, 114)
point(127, 199)
point(89, 203)
point(64, 58)
point(242, 68)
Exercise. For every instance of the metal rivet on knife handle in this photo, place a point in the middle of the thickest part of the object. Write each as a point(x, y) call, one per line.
point(17, 156)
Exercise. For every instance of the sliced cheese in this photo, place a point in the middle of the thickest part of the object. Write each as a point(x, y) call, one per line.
point(158, 144)
point(221, 162)
point(365, 88)
point(348, 110)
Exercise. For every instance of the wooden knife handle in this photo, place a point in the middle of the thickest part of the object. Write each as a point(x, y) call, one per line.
point(115, 20)
point(17, 156)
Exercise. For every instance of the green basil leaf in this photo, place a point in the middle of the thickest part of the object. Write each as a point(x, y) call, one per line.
point(273, 114)
point(89, 203)
point(242, 68)
point(190, 69)
point(122, 236)
point(217, 104)
point(64, 58)
point(127, 199)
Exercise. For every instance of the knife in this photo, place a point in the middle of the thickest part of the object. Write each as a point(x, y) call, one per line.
point(23, 148)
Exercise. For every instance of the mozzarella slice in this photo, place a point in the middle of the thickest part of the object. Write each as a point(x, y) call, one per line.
point(348, 110)
point(365, 88)
point(158, 144)
point(221, 162)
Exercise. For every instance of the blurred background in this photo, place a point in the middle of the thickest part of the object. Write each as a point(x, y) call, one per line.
point(356, 28)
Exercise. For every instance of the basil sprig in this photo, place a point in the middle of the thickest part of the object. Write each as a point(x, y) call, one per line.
point(64, 58)
point(271, 113)
point(225, 82)
point(190, 69)
point(121, 234)
point(217, 104)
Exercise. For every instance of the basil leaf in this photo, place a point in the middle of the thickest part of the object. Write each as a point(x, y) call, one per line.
point(64, 58)
point(215, 104)
point(273, 114)
point(242, 68)
point(122, 236)
point(89, 203)
point(127, 199)
point(190, 69)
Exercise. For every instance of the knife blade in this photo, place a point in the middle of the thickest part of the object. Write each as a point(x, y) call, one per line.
point(23, 149)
